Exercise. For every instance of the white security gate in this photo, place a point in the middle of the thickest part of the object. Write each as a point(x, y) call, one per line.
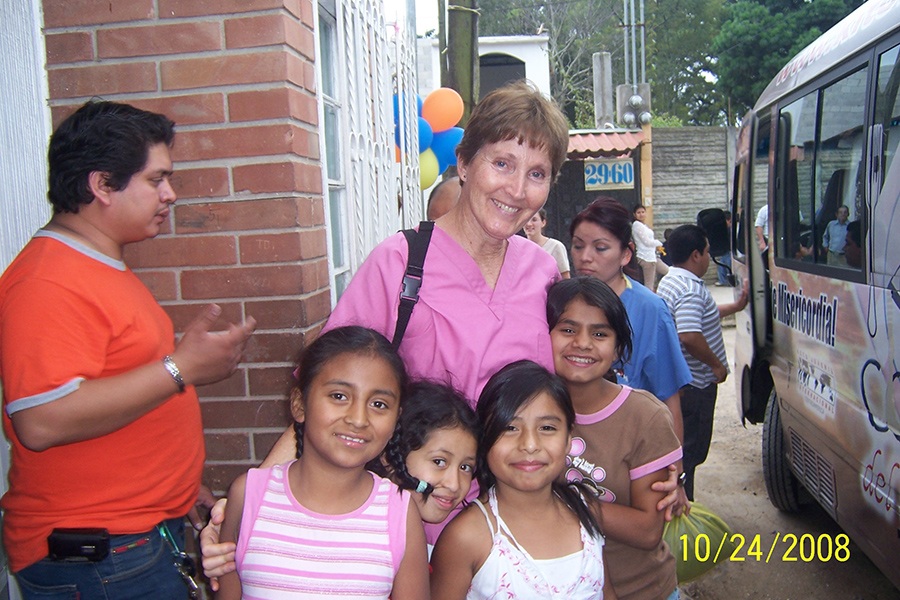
point(363, 63)
point(24, 131)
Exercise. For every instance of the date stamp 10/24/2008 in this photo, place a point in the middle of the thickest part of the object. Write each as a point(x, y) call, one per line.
point(788, 547)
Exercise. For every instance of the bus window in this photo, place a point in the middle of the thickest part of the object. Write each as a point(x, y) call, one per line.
point(794, 167)
point(738, 246)
point(759, 185)
point(840, 166)
point(821, 168)
point(750, 196)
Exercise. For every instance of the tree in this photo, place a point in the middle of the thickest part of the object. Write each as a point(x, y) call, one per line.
point(758, 37)
point(678, 36)
point(701, 54)
point(681, 67)
point(576, 29)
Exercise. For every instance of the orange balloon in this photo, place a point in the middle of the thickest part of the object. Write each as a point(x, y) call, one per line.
point(442, 108)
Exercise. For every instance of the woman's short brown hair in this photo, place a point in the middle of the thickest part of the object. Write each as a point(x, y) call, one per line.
point(517, 111)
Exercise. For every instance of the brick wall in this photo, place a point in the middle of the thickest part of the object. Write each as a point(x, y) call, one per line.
point(238, 78)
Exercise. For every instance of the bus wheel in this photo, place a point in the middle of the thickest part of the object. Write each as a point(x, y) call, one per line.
point(782, 486)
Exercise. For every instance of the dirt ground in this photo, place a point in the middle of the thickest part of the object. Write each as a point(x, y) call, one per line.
point(731, 484)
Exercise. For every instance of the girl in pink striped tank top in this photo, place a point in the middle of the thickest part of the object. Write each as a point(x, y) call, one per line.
point(323, 525)
point(432, 454)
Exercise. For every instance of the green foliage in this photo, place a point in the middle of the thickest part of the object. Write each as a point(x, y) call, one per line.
point(584, 113)
point(575, 29)
point(758, 37)
point(680, 67)
point(678, 36)
point(666, 120)
point(707, 60)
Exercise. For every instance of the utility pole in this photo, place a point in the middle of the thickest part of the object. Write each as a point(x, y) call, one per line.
point(602, 76)
point(461, 34)
point(633, 101)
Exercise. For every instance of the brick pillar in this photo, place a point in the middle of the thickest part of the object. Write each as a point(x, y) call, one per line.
point(248, 231)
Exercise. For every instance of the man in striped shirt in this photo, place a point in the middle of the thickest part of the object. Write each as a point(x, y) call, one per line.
point(698, 322)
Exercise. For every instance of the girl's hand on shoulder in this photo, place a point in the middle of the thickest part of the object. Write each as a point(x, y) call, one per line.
point(675, 501)
point(229, 582)
point(218, 558)
point(682, 506)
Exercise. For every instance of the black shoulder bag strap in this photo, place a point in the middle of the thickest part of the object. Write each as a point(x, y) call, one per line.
point(412, 279)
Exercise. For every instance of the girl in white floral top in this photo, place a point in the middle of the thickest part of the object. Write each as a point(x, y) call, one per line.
point(529, 536)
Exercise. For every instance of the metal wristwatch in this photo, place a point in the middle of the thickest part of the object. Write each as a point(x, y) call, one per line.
point(172, 368)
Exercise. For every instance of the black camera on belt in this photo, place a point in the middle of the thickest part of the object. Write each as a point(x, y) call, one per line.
point(88, 544)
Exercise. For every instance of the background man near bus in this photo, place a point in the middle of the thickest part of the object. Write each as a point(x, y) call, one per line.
point(835, 237)
point(99, 401)
point(698, 322)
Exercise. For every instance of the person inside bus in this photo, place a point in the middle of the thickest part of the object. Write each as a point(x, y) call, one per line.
point(836, 236)
point(853, 245)
point(762, 228)
point(723, 262)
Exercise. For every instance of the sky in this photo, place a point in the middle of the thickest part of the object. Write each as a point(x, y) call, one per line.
point(426, 13)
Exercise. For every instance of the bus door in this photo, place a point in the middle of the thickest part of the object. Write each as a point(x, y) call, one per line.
point(880, 383)
point(750, 237)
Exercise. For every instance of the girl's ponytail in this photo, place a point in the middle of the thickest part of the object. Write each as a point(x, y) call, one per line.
point(298, 433)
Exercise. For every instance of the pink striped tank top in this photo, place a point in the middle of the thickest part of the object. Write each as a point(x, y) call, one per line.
point(286, 551)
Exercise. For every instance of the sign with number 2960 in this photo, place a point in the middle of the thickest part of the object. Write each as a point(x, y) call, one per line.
point(609, 174)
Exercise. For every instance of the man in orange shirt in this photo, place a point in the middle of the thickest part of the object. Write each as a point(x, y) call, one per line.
point(99, 403)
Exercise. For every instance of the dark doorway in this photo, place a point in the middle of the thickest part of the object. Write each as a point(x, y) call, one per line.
point(498, 69)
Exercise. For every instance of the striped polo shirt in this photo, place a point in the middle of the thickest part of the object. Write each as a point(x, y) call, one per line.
point(694, 309)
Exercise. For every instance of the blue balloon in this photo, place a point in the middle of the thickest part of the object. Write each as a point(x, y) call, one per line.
point(444, 146)
point(396, 104)
point(425, 135)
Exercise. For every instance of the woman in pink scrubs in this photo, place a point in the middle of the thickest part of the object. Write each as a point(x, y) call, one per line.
point(482, 304)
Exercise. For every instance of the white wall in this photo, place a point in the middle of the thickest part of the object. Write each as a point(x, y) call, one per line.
point(24, 131)
point(24, 126)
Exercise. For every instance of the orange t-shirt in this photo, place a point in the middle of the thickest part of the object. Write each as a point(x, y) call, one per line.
point(68, 314)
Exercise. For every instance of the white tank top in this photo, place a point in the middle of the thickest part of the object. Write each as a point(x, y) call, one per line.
point(509, 572)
